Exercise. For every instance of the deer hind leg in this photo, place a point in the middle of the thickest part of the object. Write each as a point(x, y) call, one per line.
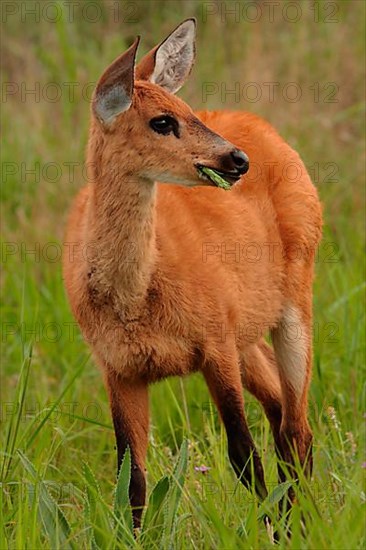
point(223, 380)
point(260, 376)
point(129, 407)
point(292, 345)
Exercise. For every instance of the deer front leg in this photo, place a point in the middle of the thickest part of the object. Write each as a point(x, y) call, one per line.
point(225, 387)
point(130, 413)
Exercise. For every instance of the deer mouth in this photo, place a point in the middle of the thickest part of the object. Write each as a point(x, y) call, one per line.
point(225, 180)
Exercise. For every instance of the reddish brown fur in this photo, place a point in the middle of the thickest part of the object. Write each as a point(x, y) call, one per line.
point(158, 294)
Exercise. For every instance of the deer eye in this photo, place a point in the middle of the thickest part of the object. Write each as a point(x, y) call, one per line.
point(165, 125)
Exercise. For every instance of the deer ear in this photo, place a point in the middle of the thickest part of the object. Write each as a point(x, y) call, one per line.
point(170, 63)
point(114, 91)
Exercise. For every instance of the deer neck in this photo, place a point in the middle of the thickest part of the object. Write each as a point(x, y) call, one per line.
point(120, 233)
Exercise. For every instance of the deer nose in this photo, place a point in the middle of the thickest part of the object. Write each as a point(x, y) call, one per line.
point(240, 161)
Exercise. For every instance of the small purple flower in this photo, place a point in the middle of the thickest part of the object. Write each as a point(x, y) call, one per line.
point(202, 468)
point(363, 465)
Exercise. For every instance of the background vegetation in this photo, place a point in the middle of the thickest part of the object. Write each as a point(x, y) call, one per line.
point(54, 410)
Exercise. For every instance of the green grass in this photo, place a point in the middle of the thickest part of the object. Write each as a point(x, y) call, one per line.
point(57, 450)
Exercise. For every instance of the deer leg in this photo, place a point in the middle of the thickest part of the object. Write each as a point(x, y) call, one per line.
point(129, 407)
point(292, 345)
point(260, 376)
point(225, 387)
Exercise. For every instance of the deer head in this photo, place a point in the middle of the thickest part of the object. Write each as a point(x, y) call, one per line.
point(154, 134)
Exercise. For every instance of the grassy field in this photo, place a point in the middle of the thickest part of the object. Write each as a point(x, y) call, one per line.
point(57, 443)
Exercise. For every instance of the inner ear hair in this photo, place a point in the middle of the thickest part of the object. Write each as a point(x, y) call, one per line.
point(114, 91)
point(174, 58)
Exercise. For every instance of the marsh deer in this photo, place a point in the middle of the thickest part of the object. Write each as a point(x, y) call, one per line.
point(171, 279)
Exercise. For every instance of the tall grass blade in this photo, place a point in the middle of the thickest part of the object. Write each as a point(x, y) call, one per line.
point(152, 529)
point(122, 508)
point(266, 508)
point(13, 427)
point(52, 519)
point(175, 494)
point(96, 513)
point(55, 404)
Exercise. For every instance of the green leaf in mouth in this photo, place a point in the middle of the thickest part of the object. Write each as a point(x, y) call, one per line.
point(215, 177)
